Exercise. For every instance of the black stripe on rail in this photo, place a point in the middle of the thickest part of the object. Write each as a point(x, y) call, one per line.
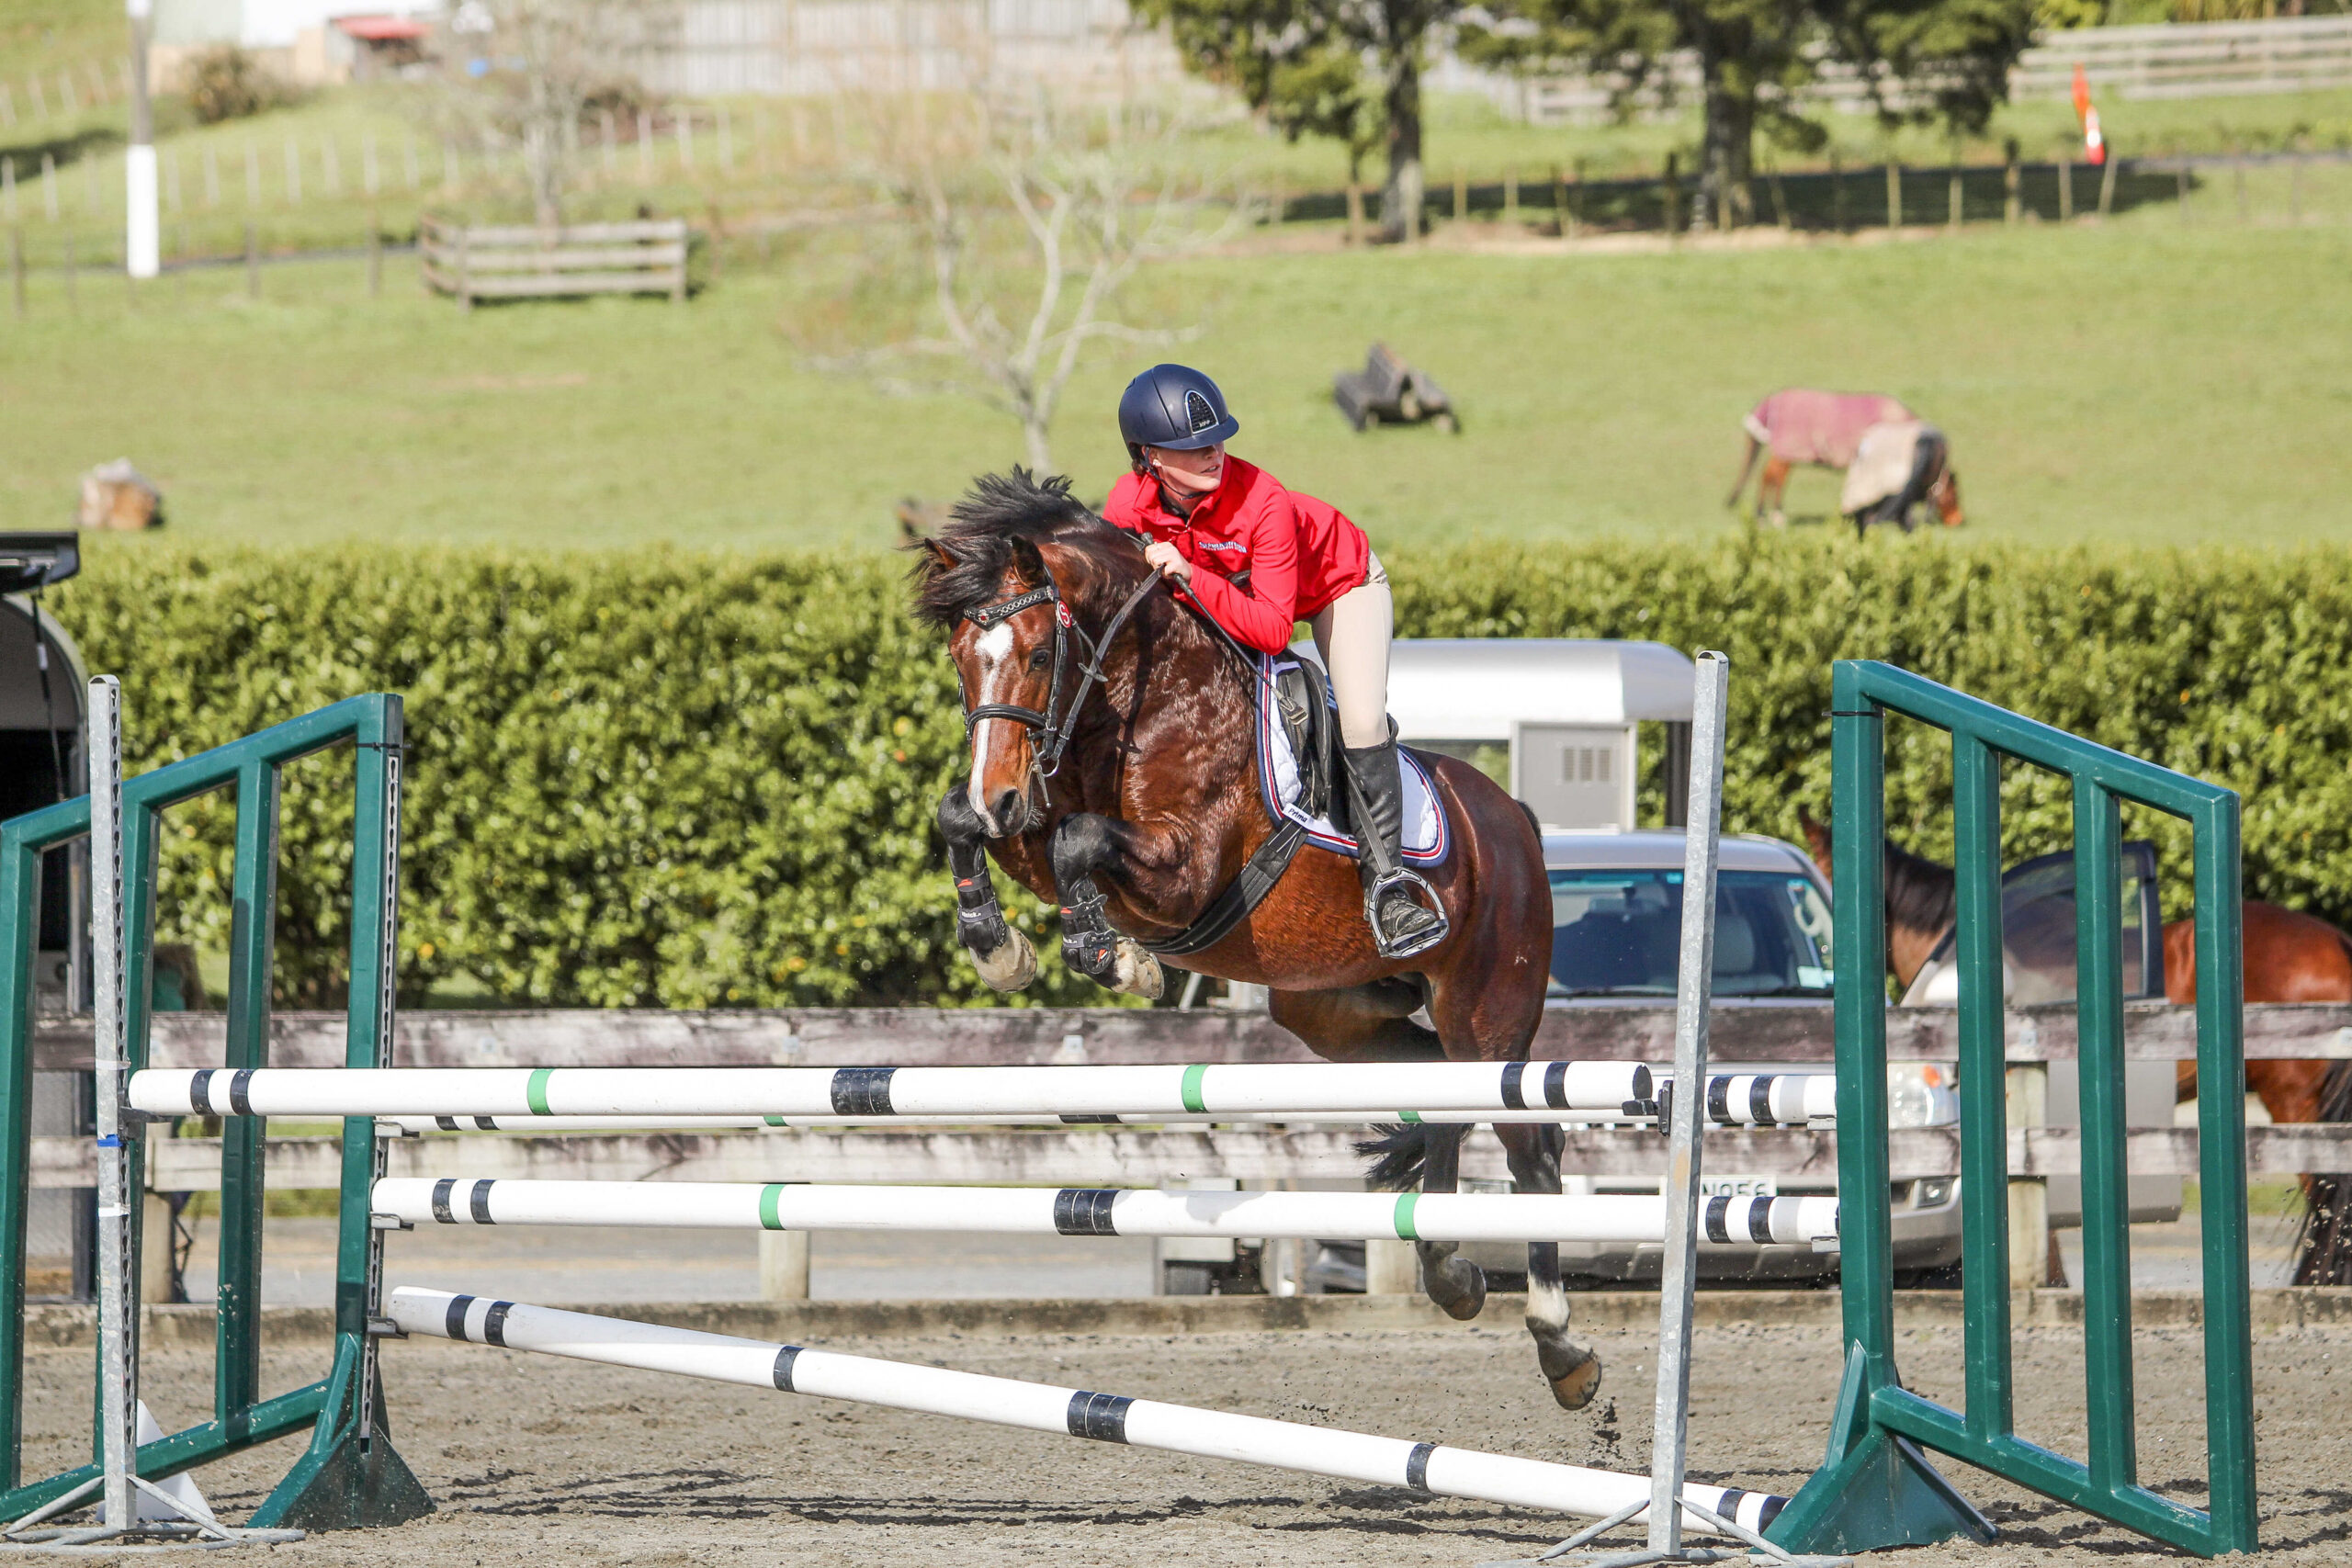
point(240, 1083)
point(446, 1124)
point(494, 1324)
point(441, 1214)
point(782, 1372)
point(1555, 1086)
point(1101, 1416)
point(1729, 1506)
point(1417, 1466)
point(1718, 1100)
point(1760, 1218)
point(1091, 1121)
point(453, 1321)
point(1084, 1211)
point(199, 1093)
point(1718, 1219)
point(1514, 1098)
point(1769, 1510)
point(861, 1092)
point(479, 1202)
point(1759, 1099)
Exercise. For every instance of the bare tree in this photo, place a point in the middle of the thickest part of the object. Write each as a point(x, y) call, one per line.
point(1030, 215)
point(524, 71)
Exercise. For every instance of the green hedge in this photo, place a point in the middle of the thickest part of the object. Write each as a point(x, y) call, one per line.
point(685, 781)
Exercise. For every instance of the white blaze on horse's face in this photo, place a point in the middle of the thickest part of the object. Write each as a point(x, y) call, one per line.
point(996, 679)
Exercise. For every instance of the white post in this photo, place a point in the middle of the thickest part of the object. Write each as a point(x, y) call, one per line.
point(143, 226)
point(1694, 992)
point(118, 1283)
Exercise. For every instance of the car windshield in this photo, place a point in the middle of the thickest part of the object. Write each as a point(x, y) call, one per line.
point(1615, 932)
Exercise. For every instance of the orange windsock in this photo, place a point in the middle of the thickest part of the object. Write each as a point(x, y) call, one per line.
point(2082, 91)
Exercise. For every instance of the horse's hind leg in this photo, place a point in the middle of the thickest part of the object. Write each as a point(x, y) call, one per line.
point(1572, 1369)
point(1457, 1285)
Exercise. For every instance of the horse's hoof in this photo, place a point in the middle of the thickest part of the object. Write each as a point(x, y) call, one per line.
point(1011, 967)
point(1457, 1285)
point(1574, 1388)
point(1135, 970)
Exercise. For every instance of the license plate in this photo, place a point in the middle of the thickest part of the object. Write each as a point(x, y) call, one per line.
point(1738, 1187)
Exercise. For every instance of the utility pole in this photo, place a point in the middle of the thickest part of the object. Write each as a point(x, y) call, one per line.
point(143, 225)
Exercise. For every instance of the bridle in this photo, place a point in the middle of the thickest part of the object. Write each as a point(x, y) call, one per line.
point(1050, 730)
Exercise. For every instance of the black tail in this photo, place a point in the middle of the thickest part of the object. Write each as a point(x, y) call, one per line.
point(2323, 1240)
point(1401, 1153)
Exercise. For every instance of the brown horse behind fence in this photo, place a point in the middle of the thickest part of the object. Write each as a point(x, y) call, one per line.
point(1137, 810)
point(2289, 957)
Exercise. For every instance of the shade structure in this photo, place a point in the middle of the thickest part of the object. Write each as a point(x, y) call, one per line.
point(1080, 1413)
point(1076, 1211)
point(1372, 1089)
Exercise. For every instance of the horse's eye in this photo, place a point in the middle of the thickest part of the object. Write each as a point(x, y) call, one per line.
point(1038, 660)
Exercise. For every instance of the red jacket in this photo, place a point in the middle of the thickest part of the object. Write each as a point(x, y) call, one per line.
point(1300, 553)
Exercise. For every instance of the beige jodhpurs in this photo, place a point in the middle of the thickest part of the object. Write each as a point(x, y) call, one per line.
point(1352, 633)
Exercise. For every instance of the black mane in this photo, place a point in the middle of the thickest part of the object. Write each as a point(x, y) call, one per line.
point(992, 530)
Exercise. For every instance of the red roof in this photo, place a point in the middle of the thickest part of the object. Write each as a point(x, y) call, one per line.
point(383, 29)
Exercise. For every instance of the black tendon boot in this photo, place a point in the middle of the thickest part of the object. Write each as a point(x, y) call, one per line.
point(1401, 908)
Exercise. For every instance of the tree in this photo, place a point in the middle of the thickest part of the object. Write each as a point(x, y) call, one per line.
point(1030, 215)
point(1283, 55)
point(524, 72)
point(1921, 60)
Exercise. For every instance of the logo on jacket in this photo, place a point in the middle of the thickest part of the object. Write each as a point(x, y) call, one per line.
point(1197, 412)
point(1222, 545)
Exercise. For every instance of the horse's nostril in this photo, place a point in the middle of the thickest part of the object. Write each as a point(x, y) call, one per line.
point(1005, 809)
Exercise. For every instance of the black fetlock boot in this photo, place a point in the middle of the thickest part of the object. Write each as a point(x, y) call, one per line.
point(1401, 908)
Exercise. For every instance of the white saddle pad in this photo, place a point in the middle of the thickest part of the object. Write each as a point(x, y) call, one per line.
point(1427, 837)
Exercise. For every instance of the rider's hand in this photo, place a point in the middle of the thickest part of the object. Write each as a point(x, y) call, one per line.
point(1168, 561)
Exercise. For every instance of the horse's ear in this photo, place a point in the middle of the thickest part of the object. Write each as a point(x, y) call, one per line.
point(1816, 838)
point(941, 560)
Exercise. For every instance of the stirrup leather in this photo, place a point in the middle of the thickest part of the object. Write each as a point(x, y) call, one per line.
point(1423, 894)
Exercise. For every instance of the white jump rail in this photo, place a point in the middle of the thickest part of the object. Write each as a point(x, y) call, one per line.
point(1090, 1210)
point(1389, 1090)
point(1424, 1467)
point(1405, 1091)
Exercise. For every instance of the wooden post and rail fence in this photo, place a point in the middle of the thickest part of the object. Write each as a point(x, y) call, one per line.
point(490, 262)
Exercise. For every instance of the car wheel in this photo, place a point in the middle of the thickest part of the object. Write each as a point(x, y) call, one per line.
point(1184, 1278)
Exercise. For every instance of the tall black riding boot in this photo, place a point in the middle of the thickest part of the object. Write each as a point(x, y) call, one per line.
point(1401, 907)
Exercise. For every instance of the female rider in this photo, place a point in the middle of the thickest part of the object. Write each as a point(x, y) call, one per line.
point(1259, 559)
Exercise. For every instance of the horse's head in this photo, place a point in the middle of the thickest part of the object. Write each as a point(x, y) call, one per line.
point(1007, 579)
point(1945, 494)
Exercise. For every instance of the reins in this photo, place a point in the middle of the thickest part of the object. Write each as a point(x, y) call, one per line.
point(1055, 726)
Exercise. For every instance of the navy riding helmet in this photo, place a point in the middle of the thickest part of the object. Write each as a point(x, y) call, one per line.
point(1176, 407)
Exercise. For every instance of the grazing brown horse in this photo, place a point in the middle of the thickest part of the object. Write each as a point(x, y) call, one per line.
point(2289, 957)
point(1136, 806)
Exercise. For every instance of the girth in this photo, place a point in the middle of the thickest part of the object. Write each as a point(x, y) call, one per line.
point(1241, 896)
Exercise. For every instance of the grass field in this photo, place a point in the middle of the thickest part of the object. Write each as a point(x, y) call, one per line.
point(2141, 382)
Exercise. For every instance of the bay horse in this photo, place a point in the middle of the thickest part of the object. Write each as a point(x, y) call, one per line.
point(1135, 810)
point(2289, 957)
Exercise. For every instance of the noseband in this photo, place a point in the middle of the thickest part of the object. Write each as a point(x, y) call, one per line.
point(1050, 730)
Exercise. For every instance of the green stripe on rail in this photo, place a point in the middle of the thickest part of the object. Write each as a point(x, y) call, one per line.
point(769, 1196)
point(1193, 1077)
point(1405, 1231)
point(536, 1090)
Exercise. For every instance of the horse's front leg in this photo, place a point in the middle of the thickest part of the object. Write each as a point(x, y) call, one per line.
point(1083, 845)
point(1005, 958)
point(1572, 1369)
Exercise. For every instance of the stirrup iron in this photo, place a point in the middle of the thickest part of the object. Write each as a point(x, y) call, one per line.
point(1424, 894)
